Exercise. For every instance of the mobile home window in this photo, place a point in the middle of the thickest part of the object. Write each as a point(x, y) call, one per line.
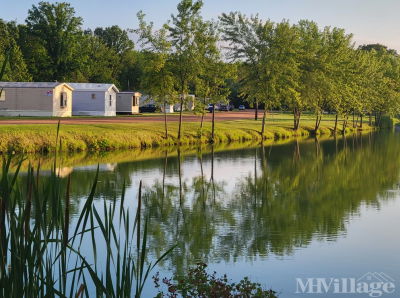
point(63, 100)
point(93, 96)
point(2, 95)
point(110, 100)
point(133, 101)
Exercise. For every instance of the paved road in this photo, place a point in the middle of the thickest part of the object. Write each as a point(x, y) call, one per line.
point(220, 116)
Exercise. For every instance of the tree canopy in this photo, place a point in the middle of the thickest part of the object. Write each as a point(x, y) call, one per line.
point(299, 67)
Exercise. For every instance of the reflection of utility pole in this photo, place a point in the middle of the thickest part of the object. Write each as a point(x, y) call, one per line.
point(264, 174)
point(180, 176)
point(336, 144)
point(180, 185)
point(344, 143)
point(163, 180)
point(212, 172)
point(202, 175)
point(255, 177)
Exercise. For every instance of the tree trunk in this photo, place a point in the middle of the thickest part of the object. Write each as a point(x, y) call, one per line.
point(361, 121)
point(180, 119)
point(213, 126)
point(378, 119)
point(317, 122)
point(165, 120)
point(296, 120)
point(370, 119)
point(345, 124)
point(354, 122)
point(256, 111)
point(336, 122)
point(202, 119)
point(263, 124)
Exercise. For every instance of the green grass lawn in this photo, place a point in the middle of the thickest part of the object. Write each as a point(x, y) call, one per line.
point(107, 137)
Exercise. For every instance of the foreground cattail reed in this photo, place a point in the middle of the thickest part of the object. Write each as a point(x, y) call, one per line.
point(102, 254)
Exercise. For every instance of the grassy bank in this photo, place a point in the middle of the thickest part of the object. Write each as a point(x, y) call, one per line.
point(108, 137)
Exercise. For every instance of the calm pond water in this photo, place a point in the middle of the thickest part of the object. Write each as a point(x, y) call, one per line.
point(304, 209)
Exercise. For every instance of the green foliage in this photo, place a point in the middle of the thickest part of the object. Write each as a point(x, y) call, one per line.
point(57, 30)
point(99, 64)
point(300, 67)
point(115, 38)
point(13, 65)
point(198, 283)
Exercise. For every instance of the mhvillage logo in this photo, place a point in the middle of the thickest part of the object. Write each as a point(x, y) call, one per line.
point(373, 284)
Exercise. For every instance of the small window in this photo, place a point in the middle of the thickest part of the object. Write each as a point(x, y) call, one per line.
point(2, 95)
point(110, 100)
point(63, 100)
point(93, 95)
point(133, 101)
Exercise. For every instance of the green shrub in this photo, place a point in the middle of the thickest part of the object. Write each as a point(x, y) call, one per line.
point(198, 283)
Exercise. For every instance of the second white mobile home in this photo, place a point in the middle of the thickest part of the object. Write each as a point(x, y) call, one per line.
point(92, 99)
point(128, 102)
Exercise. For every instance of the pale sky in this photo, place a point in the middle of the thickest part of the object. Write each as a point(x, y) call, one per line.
point(371, 21)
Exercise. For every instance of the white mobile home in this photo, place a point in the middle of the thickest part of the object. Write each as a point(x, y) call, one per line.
point(128, 102)
point(92, 99)
point(35, 99)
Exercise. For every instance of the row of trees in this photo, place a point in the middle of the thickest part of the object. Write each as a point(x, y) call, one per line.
point(297, 67)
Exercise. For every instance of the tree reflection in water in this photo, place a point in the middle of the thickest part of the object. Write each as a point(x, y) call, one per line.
point(283, 197)
point(289, 200)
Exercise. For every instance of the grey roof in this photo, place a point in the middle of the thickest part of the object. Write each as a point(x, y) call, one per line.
point(31, 84)
point(130, 92)
point(92, 87)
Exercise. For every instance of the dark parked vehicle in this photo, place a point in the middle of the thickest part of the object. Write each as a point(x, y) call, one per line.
point(148, 109)
point(242, 108)
point(225, 108)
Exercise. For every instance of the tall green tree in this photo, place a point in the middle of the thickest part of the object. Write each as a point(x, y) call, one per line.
point(12, 62)
point(211, 83)
point(158, 79)
point(185, 54)
point(115, 38)
point(100, 63)
point(56, 28)
point(269, 68)
point(131, 70)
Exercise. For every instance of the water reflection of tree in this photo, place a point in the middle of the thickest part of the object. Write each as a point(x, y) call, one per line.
point(187, 208)
point(284, 204)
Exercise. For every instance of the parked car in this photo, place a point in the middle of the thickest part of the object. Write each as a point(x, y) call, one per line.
point(242, 108)
point(148, 109)
point(225, 108)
